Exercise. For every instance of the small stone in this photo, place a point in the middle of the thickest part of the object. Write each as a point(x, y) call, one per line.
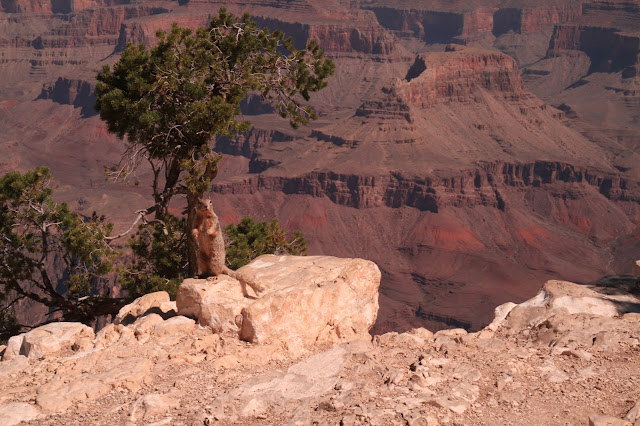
point(439, 362)
point(209, 344)
point(422, 333)
point(454, 332)
point(634, 414)
point(424, 420)
point(163, 422)
point(465, 372)
point(226, 362)
point(13, 413)
point(572, 352)
point(418, 380)
point(433, 380)
point(254, 407)
point(13, 347)
point(553, 373)
point(153, 405)
point(348, 420)
point(597, 420)
point(502, 382)
point(632, 316)
point(465, 391)
point(458, 406)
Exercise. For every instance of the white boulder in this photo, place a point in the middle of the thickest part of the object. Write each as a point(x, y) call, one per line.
point(308, 301)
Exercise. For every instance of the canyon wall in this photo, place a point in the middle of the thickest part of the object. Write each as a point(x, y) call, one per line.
point(441, 26)
point(460, 178)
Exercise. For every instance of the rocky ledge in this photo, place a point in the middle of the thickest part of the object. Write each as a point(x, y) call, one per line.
point(570, 355)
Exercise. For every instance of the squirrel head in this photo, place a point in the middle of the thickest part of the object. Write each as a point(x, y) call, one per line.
point(204, 206)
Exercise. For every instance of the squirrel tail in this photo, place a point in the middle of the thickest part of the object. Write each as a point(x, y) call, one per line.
point(233, 274)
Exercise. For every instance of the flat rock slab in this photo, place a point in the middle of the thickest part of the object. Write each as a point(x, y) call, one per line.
point(127, 374)
point(284, 390)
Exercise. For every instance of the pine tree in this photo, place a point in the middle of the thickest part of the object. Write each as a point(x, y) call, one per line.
point(172, 100)
point(250, 239)
point(49, 254)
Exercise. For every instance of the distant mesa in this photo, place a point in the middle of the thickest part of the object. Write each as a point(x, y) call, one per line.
point(455, 75)
point(78, 93)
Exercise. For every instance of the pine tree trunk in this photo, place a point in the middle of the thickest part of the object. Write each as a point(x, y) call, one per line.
point(192, 243)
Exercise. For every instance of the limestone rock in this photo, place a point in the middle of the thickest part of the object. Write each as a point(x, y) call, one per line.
point(312, 300)
point(13, 347)
point(456, 405)
point(566, 298)
point(634, 414)
point(607, 421)
point(49, 339)
point(13, 413)
point(154, 404)
point(422, 332)
point(57, 396)
point(175, 326)
point(144, 326)
point(399, 339)
point(453, 332)
point(107, 336)
point(158, 302)
point(214, 303)
point(93, 379)
point(307, 379)
point(500, 315)
point(11, 368)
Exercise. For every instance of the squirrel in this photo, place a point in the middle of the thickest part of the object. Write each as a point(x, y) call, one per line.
point(207, 232)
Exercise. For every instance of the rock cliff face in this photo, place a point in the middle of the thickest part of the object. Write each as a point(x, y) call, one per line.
point(481, 186)
point(608, 49)
point(78, 93)
point(533, 19)
point(365, 36)
point(593, 57)
point(456, 74)
point(434, 23)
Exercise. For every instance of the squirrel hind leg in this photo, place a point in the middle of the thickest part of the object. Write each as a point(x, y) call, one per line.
point(243, 286)
point(256, 287)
